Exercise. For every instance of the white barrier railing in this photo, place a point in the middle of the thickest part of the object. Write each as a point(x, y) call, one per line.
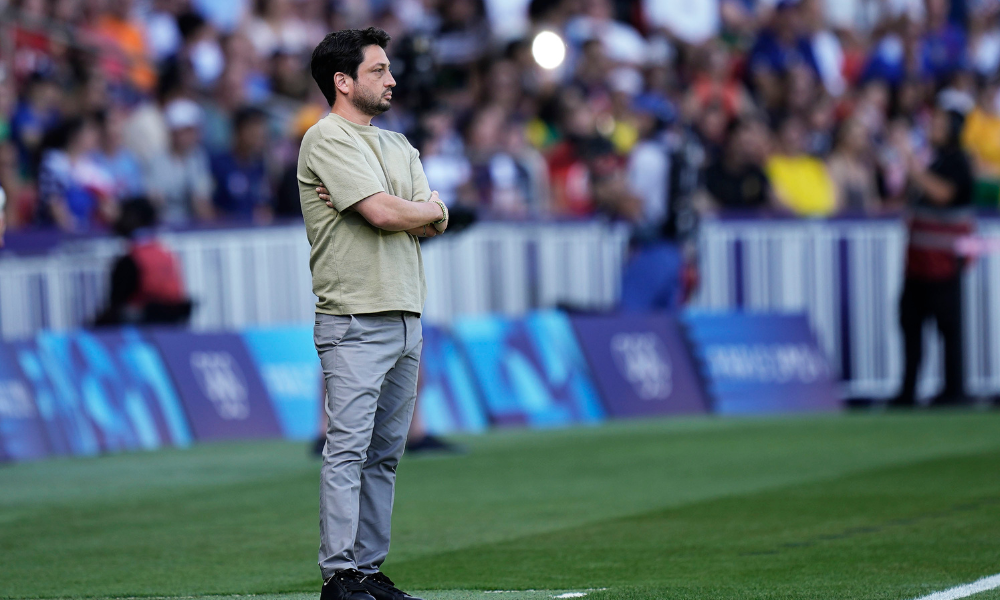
point(847, 276)
point(261, 276)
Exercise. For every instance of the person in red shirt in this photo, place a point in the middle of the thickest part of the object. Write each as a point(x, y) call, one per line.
point(147, 285)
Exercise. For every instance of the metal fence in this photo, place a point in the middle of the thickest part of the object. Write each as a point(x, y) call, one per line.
point(261, 276)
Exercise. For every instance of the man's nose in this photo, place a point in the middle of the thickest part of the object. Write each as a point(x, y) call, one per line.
point(391, 82)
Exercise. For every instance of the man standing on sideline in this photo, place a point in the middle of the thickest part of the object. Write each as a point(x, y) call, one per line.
point(368, 275)
point(941, 217)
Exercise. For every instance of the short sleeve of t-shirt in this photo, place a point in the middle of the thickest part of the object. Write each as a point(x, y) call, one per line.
point(342, 168)
point(421, 189)
point(954, 167)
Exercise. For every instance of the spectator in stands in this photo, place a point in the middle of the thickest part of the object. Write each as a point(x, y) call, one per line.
point(3, 214)
point(444, 158)
point(981, 139)
point(736, 180)
point(943, 44)
point(242, 190)
point(147, 285)
point(649, 162)
point(35, 115)
point(287, 192)
point(932, 289)
point(815, 62)
point(118, 161)
point(127, 43)
point(801, 182)
point(851, 168)
point(714, 82)
point(503, 168)
point(180, 180)
point(75, 193)
point(274, 26)
point(783, 44)
point(163, 36)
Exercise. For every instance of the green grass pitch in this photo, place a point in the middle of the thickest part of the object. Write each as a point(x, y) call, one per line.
point(890, 506)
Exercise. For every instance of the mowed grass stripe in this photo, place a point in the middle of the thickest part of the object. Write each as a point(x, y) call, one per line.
point(242, 518)
point(887, 533)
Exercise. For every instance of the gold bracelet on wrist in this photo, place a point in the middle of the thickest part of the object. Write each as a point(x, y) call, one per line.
point(444, 213)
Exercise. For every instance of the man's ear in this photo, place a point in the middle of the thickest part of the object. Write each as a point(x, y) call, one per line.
point(340, 80)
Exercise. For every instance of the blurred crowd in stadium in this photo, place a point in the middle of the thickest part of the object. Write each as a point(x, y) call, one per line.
point(662, 109)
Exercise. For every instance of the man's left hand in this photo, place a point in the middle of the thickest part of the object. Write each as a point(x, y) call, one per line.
point(324, 195)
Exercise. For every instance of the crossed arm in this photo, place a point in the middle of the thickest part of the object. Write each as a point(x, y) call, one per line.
point(392, 213)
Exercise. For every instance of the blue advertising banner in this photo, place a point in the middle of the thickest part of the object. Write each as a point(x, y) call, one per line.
point(762, 363)
point(641, 364)
point(449, 401)
point(287, 362)
point(530, 371)
point(101, 392)
point(223, 395)
point(22, 431)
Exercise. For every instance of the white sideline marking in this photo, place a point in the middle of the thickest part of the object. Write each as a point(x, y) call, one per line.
point(565, 595)
point(962, 591)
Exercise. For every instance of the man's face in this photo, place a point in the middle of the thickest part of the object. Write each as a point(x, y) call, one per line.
point(372, 90)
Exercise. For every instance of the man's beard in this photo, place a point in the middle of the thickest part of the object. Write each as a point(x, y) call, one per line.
point(369, 104)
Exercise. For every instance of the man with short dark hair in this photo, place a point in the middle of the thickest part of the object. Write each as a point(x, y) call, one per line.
point(368, 277)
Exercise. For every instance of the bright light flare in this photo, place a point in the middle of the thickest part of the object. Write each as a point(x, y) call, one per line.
point(548, 49)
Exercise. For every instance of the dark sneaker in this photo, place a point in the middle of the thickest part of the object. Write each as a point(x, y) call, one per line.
point(382, 588)
point(945, 400)
point(431, 443)
point(345, 585)
point(902, 401)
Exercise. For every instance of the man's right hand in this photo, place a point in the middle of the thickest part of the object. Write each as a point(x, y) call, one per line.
point(440, 227)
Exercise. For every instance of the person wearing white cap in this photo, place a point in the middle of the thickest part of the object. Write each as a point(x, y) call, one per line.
point(180, 179)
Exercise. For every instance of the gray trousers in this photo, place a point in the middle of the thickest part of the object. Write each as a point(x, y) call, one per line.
point(370, 367)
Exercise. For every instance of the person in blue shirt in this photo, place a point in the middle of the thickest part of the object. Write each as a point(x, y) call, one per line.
point(784, 43)
point(36, 115)
point(242, 188)
point(115, 158)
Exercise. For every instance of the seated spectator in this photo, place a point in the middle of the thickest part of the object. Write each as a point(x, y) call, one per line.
point(35, 115)
point(504, 170)
point(242, 190)
point(128, 56)
point(286, 201)
point(851, 167)
point(120, 163)
point(75, 193)
point(147, 285)
point(714, 83)
point(180, 180)
point(981, 136)
point(443, 156)
point(801, 182)
point(275, 27)
point(649, 163)
point(736, 180)
point(782, 45)
point(942, 46)
point(3, 214)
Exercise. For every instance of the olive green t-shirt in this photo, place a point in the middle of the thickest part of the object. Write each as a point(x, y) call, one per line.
point(356, 267)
